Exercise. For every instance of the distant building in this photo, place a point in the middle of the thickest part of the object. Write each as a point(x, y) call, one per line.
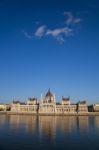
point(82, 107)
point(90, 108)
point(65, 106)
point(32, 101)
point(2, 107)
point(96, 107)
point(47, 104)
point(30, 106)
point(65, 101)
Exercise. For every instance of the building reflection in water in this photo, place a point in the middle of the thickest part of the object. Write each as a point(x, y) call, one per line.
point(2, 119)
point(83, 124)
point(63, 124)
point(96, 122)
point(27, 123)
point(66, 124)
point(48, 126)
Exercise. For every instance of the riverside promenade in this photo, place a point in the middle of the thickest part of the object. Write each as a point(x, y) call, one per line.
point(50, 114)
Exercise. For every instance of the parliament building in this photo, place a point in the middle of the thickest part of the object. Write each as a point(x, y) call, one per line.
point(48, 105)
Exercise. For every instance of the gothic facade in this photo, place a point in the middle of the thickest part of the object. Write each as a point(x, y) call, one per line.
point(30, 106)
point(48, 105)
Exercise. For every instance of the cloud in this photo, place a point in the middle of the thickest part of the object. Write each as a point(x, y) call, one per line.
point(27, 35)
point(59, 33)
point(70, 19)
point(77, 20)
point(40, 32)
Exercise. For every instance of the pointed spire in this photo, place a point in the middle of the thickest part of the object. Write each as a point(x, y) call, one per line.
point(49, 93)
point(41, 96)
point(54, 98)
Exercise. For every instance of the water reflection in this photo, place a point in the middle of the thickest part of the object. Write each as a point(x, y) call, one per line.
point(49, 126)
point(27, 123)
point(49, 132)
point(2, 119)
point(83, 124)
point(96, 122)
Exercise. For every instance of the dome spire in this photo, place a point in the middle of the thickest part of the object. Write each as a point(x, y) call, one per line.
point(49, 93)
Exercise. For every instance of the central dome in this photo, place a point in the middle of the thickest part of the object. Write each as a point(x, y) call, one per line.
point(49, 94)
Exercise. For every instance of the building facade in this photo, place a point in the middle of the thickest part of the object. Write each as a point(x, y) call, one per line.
point(48, 105)
point(82, 107)
point(96, 107)
point(2, 107)
point(30, 106)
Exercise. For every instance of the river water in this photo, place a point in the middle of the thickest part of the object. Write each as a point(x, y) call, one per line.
point(20, 132)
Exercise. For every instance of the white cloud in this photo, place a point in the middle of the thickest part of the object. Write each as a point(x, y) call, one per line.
point(57, 32)
point(60, 33)
point(40, 31)
point(70, 19)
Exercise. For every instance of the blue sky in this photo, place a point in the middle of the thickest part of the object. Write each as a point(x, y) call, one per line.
point(49, 44)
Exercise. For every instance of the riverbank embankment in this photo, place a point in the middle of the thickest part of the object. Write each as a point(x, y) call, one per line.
point(50, 114)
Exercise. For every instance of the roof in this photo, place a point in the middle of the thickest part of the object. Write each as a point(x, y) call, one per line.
point(22, 103)
point(16, 102)
point(49, 94)
point(57, 103)
point(82, 102)
point(32, 99)
point(65, 98)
